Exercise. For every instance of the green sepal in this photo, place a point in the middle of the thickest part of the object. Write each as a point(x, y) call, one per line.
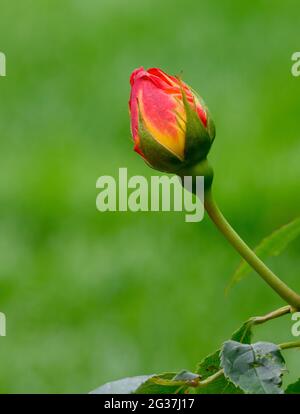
point(210, 123)
point(197, 138)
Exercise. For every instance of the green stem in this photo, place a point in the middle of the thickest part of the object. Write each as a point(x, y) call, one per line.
point(286, 293)
point(258, 320)
point(210, 379)
point(289, 345)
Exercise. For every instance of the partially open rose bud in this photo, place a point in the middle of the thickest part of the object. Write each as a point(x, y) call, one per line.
point(170, 124)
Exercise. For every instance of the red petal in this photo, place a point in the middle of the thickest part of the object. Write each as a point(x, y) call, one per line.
point(136, 73)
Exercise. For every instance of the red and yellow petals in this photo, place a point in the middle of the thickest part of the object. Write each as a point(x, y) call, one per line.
point(157, 99)
point(150, 96)
point(159, 117)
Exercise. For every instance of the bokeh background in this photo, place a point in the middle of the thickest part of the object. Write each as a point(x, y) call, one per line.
point(92, 297)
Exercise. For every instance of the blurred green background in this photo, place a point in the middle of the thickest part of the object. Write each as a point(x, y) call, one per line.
point(92, 297)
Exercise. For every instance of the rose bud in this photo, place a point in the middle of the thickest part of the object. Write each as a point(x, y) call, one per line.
point(171, 126)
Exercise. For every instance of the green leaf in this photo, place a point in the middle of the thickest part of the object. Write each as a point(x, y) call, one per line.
point(209, 366)
point(187, 377)
point(256, 368)
point(212, 364)
point(169, 383)
point(244, 333)
point(272, 245)
point(123, 386)
point(293, 388)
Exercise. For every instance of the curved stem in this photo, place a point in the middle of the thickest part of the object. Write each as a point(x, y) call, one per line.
point(210, 379)
point(286, 293)
point(258, 320)
point(289, 345)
